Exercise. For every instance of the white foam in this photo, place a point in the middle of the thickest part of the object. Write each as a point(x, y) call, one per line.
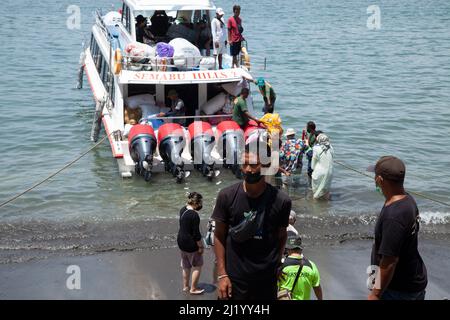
point(435, 217)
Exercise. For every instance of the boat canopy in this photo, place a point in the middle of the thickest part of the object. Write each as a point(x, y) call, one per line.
point(170, 5)
point(190, 77)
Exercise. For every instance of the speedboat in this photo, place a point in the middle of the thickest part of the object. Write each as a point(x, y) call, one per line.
point(130, 82)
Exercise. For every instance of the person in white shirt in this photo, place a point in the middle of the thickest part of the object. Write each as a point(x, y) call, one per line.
point(219, 34)
point(292, 219)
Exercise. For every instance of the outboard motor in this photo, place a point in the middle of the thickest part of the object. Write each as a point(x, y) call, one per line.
point(202, 143)
point(252, 129)
point(230, 144)
point(142, 145)
point(171, 142)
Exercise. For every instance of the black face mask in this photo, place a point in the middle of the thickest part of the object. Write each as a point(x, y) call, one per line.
point(199, 208)
point(252, 178)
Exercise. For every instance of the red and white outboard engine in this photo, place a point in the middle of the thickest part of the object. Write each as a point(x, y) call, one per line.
point(171, 142)
point(253, 131)
point(230, 145)
point(202, 143)
point(142, 145)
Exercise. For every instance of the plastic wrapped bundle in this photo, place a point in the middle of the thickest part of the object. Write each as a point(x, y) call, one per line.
point(215, 104)
point(186, 55)
point(164, 50)
point(208, 63)
point(139, 51)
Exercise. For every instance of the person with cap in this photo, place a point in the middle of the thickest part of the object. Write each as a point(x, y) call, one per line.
point(219, 35)
point(143, 34)
point(267, 93)
point(322, 167)
point(240, 110)
point(298, 274)
point(291, 152)
point(177, 108)
point(400, 273)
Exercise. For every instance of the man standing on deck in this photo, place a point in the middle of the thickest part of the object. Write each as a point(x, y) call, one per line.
point(248, 259)
point(240, 110)
point(235, 37)
point(219, 35)
point(143, 34)
point(400, 272)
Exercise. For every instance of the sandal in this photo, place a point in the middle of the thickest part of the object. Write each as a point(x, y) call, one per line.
point(198, 291)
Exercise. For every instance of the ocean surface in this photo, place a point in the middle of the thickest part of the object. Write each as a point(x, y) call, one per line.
point(374, 92)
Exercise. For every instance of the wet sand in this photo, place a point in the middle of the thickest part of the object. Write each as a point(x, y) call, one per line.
point(156, 274)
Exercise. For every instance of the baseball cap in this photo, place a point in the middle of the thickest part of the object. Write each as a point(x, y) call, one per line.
point(390, 168)
point(293, 241)
point(260, 82)
point(220, 11)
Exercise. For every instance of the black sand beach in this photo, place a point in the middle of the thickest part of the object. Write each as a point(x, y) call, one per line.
point(156, 274)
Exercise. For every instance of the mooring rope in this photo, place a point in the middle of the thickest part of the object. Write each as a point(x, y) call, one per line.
point(53, 174)
point(409, 191)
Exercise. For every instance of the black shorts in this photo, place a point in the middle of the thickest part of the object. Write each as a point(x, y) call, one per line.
point(261, 289)
point(235, 48)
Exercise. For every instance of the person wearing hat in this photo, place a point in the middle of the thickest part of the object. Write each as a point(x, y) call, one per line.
point(177, 108)
point(143, 34)
point(219, 35)
point(400, 273)
point(267, 93)
point(299, 281)
point(291, 152)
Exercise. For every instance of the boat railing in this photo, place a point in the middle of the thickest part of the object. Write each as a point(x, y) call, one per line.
point(183, 63)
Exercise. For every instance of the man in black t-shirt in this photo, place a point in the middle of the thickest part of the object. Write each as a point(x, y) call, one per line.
point(401, 273)
point(247, 269)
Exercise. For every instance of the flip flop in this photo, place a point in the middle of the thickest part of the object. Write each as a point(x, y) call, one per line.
point(185, 289)
point(196, 292)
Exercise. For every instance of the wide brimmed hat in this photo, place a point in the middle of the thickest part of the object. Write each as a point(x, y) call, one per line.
point(290, 132)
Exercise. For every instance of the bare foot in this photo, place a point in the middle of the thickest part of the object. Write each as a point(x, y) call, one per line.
point(197, 291)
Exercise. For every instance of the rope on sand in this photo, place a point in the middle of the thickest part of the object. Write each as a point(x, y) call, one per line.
point(53, 174)
point(412, 192)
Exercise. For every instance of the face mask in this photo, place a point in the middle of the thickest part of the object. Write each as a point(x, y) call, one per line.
point(199, 207)
point(378, 189)
point(252, 178)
